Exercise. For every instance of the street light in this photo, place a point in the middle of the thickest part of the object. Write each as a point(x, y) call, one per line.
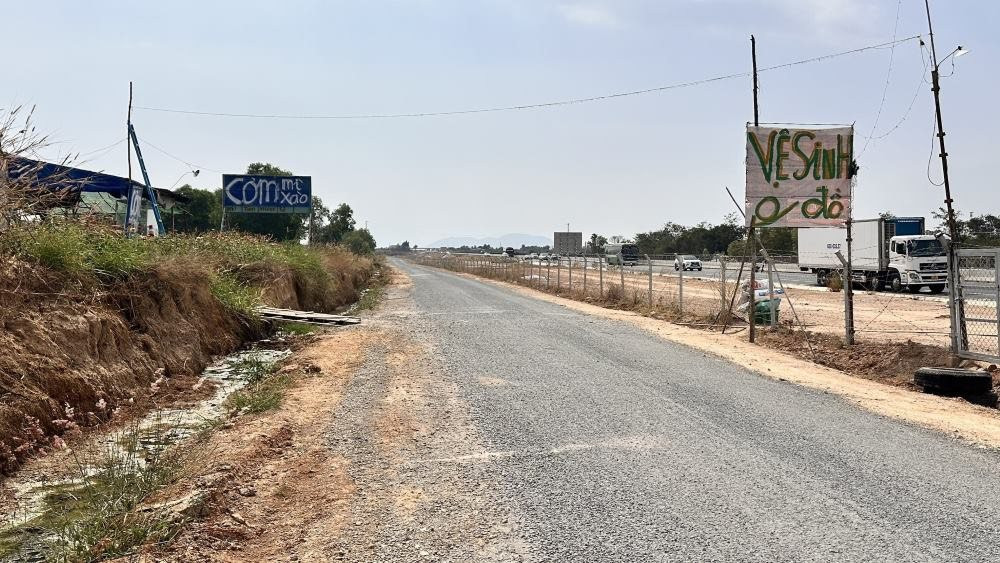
point(192, 172)
point(952, 227)
point(959, 52)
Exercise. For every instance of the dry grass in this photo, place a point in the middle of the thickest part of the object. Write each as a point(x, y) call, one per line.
point(74, 333)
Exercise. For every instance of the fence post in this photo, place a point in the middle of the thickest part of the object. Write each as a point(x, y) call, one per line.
point(570, 274)
point(650, 264)
point(584, 273)
point(752, 241)
point(548, 272)
point(680, 288)
point(770, 289)
point(848, 300)
point(849, 287)
point(621, 270)
point(558, 276)
point(600, 273)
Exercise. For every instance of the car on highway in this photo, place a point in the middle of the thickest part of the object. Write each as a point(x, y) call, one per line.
point(554, 257)
point(687, 262)
point(508, 252)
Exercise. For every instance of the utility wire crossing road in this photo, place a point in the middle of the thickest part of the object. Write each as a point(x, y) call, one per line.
point(612, 444)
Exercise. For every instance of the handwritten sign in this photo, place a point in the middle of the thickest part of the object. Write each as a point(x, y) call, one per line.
point(251, 193)
point(799, 177)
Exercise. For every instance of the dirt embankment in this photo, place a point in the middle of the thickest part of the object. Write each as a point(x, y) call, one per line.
point(76, 353)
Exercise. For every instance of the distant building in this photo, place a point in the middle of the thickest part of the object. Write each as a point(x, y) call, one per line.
point(567, 243)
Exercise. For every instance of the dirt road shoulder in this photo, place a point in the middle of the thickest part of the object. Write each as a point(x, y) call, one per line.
point(348, 467)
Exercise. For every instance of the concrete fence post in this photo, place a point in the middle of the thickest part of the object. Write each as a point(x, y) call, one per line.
point(650, 264)
point(621, 271)
point(770, 289)
point(548, 273)
point(680, 289)
point(571, 274)
point(585, 274)
point(558, 275)
point(600, 275)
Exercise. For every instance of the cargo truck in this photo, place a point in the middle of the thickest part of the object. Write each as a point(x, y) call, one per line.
point(893, 253)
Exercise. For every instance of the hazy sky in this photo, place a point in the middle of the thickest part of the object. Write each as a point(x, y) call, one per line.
point(613, 167)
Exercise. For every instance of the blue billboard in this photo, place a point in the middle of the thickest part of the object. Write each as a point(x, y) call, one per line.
point(253, 193)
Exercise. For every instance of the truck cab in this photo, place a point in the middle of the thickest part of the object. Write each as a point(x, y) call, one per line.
point(917, 261)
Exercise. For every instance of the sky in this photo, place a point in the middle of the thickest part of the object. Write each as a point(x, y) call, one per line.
point(615, 167)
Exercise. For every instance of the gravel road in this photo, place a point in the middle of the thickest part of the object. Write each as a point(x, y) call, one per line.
point(606, 443)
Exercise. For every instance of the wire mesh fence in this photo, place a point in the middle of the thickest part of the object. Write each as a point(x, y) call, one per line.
point(978, 303)
point(715, 291)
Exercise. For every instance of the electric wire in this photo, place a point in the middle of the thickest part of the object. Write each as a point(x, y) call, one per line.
point(909, 109)
point(888, 76)
point(930, 156)
point(540, 105)
point(191, 165)
point(102, 149)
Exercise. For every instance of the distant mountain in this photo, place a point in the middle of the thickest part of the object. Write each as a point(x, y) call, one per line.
point(513, 239)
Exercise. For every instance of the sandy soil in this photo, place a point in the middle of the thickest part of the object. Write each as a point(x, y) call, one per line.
point(882, 316)
point(274, 487)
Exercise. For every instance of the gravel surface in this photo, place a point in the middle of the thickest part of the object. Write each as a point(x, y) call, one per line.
point(597, 441)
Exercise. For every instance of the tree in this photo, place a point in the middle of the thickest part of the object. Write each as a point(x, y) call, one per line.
point(596, 244)
point(703, 238)
point(339, 222)
point(202, 213)
point(319, 217)
point(359, 242)
point(279, 226)
point(961, 227)
point(983, 230)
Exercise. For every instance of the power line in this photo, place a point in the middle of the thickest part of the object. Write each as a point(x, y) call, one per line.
point(179, 159)
point(102, 149)
point(930, 157)
point(534, 105)
point(885, 89)
point(909, 108)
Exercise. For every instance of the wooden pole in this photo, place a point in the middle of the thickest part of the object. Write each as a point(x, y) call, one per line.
point(128, 150)
point(756, 107)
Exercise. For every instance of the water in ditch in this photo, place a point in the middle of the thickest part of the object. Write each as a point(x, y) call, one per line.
point(25, 533)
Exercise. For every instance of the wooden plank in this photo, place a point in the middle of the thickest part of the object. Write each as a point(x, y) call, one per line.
point(311, 317)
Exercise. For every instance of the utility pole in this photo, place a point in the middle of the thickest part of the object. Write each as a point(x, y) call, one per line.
point(128, 149)
point(751, 235)
point(936, 89)
point(756, 108)
point(953, 293)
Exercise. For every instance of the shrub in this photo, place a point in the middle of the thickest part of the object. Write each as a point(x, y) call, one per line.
point(235, 296)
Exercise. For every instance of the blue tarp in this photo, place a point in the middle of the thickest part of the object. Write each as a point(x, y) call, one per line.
point(56, 177)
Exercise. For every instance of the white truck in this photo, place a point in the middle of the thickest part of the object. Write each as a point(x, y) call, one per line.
point(892, 253)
